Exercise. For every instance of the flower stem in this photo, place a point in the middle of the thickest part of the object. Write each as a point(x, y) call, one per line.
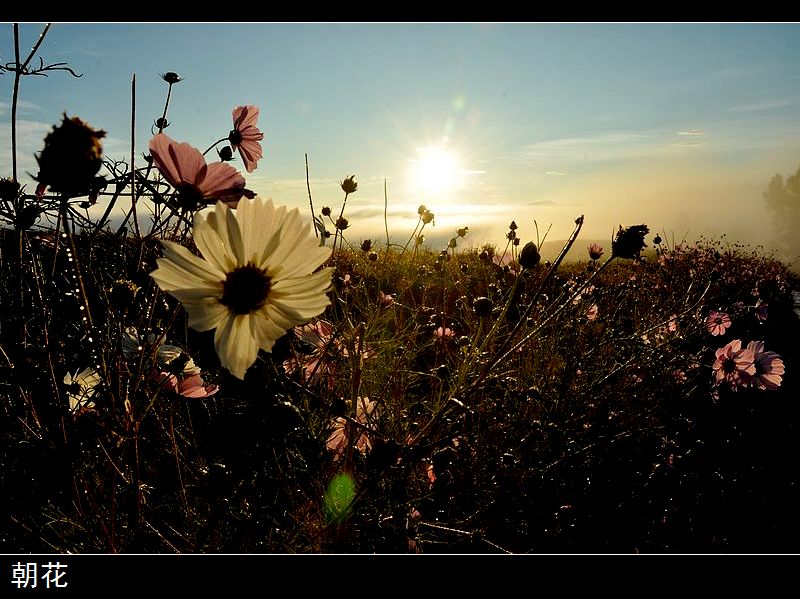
point(310, 202)
point(385, 213)
point(19, 70)
point(212, 146)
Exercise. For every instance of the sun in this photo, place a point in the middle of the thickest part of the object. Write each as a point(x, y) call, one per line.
point(437, 171)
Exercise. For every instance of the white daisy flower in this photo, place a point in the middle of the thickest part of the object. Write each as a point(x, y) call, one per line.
point(81, 387)
point(254, 281)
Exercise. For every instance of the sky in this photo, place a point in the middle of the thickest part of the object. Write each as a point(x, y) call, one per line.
point(680, 126)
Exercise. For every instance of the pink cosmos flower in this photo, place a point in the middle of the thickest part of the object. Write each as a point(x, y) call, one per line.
point(386, 299)
point(591, 313)
point(672, 325)
point(734, 365)
point(761, 310)
point(245, 136)
point(197, 183)
point(322, 361)
point(444, 333)
point(769, 367)
point(431, 474)
point(717, 322)
point(188, 386)
point(595, 251)
point(366, 415)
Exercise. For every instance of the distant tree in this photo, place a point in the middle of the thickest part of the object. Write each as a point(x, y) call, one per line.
point(783, 199)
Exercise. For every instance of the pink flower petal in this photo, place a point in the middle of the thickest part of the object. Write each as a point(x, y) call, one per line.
point(245, 116)
point(178, 162)
point(221, 180)
point(251, 153)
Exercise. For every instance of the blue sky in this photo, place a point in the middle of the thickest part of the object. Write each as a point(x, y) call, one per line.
point(680, 126)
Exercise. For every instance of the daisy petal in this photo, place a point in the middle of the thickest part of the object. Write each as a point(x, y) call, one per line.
point(235, 345)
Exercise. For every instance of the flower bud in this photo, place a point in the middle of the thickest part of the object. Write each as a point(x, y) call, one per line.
point(225, 154)
point(27, 217)
point(483, 306)
point(122, 294)
point(366, 245)
point(9, 190)
point(595, 251)
point(349, 185)
point(529, 256)
point(326, 211)
point(171, 77)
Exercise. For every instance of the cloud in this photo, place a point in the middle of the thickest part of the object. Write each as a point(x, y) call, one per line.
point(543, 203)
point(688, 144)
point(23, 107)
point(605, 146)
point(30, 139)
point(692, 132)
point(556, 173)
point(763, 106)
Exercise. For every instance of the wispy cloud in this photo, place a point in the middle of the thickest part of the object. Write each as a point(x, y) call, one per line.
point(604, 146)
point(556, 173)
point(23, 107)
point(743, 71)
point(692, 132)
point(766, 105)
point(30, 136)
point(688, 144)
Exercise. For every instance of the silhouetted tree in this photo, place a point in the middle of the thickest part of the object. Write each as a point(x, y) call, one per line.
point(783, 199)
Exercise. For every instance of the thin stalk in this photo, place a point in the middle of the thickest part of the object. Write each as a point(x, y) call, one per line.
point(310, 202)
point(18, 71)
point(133, 154)
point(385, 213)
point(212, 146)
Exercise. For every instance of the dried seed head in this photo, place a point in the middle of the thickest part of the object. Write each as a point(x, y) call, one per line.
point(71, 157)
point(629, 242)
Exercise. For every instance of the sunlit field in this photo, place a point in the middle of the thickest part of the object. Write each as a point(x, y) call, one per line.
point(212, 371)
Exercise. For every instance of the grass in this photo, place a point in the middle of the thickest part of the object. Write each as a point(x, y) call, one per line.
point(594, 435)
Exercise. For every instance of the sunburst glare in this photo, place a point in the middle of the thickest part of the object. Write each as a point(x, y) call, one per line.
point(437, 170)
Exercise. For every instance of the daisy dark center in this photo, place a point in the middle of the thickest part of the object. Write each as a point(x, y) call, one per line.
point(235, 137)
point(189, 197)
point(728, 366)
point(245, 289)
